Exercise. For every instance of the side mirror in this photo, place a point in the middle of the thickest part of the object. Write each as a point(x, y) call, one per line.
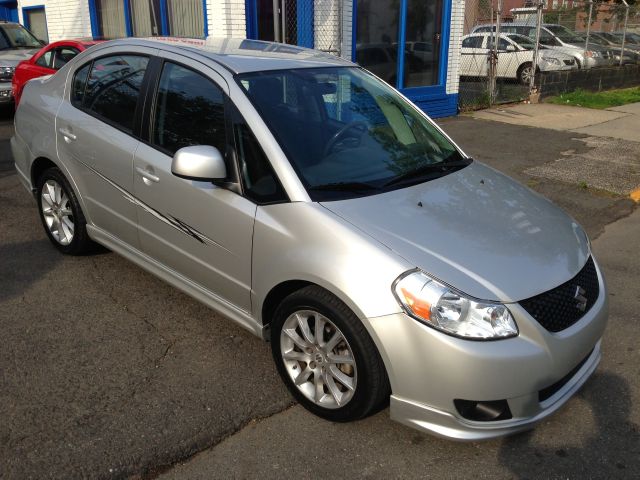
point(511, 48)
point(199, 162)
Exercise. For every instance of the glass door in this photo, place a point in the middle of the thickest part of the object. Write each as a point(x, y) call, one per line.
point(277, 21)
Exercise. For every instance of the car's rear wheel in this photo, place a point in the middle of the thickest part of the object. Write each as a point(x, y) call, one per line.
point(61, 215)
point(326, 357)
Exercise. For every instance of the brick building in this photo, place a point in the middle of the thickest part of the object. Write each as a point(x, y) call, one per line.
point(412, 44)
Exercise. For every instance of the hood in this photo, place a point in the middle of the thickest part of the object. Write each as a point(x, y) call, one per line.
point(13, 57)
point(476, 230)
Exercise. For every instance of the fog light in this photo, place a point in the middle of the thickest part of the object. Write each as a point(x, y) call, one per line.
point(483, 411)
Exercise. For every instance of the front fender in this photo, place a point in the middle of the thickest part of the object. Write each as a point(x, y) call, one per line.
point(303, 241)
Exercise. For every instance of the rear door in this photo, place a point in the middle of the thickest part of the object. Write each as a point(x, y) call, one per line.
point(199, 230)
point(97, 135)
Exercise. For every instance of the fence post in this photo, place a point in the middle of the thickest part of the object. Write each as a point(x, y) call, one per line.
point(586, 42)
point(493, 56)
point(624, 30)
point(532, 85)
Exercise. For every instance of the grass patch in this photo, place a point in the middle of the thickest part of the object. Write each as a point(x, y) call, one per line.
point(600, 100)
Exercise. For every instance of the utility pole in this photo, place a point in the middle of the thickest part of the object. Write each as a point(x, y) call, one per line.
point(586, 42)
point(532, 85)
point(624, 31)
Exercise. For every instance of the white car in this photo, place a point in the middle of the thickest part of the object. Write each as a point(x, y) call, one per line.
point(515, 57)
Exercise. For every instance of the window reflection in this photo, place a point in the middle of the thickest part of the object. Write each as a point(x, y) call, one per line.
point(377, 37)
point(422, 42)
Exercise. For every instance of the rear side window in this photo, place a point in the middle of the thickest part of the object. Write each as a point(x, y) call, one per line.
point(79, 84)
point(112, 88)
point(189, 110)
point(472, 42)
point(45, 59)
point(62, 55)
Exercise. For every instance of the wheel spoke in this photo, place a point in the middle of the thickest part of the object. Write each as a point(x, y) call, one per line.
point(340, 359)
point(297, 339)
point(333, 341)
point(319, 390)
point(303, 376)
point(319, 330)
point(343, 378)
point(333, 388)
point(298, 356)
point(304, 328)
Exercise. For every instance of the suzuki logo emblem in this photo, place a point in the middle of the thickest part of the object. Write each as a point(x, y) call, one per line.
point(582, 300)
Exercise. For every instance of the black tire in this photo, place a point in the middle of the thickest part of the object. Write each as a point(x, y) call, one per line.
point(521, 73)
point(372, 388)
point(80, 243)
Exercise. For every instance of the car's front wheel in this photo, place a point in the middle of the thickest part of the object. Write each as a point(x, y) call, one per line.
point(326, 357)
point(61, 214)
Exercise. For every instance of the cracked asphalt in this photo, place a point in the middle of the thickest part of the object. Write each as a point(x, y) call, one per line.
point(107, 372)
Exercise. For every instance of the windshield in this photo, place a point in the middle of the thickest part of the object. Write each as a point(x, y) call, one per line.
point(348, 134)
point(16, 36)
point(564, 33)
point(524, 42)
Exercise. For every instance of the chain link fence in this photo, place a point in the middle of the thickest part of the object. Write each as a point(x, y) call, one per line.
point(312, 23)
point(514, 50)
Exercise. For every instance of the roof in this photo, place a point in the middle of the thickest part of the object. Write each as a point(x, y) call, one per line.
point(242, 55)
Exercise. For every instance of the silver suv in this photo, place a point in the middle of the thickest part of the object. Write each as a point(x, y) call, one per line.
point(16, 44)
point(311, 203)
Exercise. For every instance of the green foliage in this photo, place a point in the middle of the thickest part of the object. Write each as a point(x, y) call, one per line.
point(599, 100)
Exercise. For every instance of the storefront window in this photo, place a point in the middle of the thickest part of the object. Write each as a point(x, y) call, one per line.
point(377, 37)
point(186, 18)
point(145, 17)
point(111, 18)
point(378, 43)
point(422, 42)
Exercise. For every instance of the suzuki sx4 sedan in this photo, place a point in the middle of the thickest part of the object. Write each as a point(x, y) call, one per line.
point(305, 199)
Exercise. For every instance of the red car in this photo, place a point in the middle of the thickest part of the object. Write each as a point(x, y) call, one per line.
point(46, 61)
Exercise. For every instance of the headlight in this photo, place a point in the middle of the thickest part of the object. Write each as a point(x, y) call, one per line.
point(592, 54)
point(552, 60)
point(450, 311)
point(6, 73)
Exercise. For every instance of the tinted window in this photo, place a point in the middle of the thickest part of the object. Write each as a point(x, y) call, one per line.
point(370, 141)
point(20, 37)
point(472, 42)
point(113, 87)
point(189, 110)
point(260, 183)
point(79, 84)
point(45, 59)
point(62, 56)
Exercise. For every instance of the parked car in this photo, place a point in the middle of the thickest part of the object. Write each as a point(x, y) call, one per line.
point(47, 61)
point(16, 44)
point(557, 37)
point(631, 50)
point(515, 57)
point(310, 202)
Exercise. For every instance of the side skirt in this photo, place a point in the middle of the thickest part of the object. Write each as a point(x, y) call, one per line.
point(177, 280)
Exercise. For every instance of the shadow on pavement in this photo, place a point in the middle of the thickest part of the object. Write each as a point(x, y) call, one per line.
point(612, 452)
point(22, 264)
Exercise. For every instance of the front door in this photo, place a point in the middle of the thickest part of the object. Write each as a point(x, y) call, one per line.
point(200, 231)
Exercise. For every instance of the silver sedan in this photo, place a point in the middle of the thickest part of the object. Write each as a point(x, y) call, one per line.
point(305, 199)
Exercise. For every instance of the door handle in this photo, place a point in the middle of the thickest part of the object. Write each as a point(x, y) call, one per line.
point(147, 175)
point(68, 136)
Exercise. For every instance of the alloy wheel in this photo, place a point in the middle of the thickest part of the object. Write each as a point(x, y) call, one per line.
point(318, 359)
point(57, 212)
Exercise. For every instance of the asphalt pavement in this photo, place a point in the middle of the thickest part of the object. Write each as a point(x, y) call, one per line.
point(107, 372)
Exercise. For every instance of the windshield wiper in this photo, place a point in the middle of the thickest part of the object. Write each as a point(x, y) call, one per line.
point(344, 187)
point(426, 171)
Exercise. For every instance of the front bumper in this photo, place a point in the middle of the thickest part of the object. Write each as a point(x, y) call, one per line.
point(428, 370)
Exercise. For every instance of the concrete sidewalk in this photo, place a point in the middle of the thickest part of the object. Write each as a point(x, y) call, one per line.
point(617, 122)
